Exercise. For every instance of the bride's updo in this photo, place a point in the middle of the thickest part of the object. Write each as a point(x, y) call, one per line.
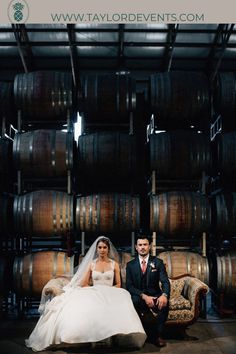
point(105, 240)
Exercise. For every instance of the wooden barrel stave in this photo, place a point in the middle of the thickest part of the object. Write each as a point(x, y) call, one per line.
point(226, 274)
point(107, 213)
point(168, 92)
point(43, 214)
point(179, 154)
point(179, 213)
point(108, 154)
point(179, 263)
point(43, 94)
point(43, 153)
point(108, 97)
point(31, 272)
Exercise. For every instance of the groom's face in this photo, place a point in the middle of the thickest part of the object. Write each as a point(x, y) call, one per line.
point(143, 247)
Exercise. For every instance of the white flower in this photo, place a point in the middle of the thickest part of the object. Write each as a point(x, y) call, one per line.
point(152, 265)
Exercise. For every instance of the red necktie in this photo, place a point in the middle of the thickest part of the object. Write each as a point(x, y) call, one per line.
point(144, 266)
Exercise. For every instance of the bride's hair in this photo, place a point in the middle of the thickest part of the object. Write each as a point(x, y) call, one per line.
point(105, 240)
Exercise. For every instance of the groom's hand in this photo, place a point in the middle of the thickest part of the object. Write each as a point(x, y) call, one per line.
point(149, 300)
point(162, 302)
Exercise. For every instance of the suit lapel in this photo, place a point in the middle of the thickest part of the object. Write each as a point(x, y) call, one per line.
point(138, 271)
point(150, 260)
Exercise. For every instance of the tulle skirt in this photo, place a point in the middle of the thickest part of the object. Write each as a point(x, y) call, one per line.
point(88, 315)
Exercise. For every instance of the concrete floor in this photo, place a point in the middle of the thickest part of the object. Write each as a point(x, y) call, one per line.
point(214, 337)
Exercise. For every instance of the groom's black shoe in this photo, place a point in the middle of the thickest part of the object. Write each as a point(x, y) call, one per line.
point(160, 342)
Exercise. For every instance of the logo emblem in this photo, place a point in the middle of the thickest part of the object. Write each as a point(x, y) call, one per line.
point(18, 11)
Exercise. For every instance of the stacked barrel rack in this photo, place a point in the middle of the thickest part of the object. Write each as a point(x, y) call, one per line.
point(118, 180)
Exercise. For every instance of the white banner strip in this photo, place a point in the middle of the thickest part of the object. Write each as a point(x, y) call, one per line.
point(118, 11)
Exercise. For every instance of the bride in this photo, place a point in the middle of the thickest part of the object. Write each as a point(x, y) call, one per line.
point(88, 314)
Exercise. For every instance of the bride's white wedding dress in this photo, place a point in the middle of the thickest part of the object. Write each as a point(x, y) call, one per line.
point(88, 315)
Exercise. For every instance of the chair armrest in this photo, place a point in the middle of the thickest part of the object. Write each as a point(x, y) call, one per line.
point(55, 286)
point(193, 289)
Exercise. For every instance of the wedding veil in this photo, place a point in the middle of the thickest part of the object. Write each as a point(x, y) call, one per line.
point(88, 258)
point(80, 271)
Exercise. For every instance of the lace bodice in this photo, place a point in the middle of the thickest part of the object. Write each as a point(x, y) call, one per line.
point(103, 278)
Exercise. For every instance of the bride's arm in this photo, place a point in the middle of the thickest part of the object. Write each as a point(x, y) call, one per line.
point(87, 277)
point(117, 275)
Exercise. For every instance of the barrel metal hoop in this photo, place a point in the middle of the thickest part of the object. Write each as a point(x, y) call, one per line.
point(67, 202)
point(156, 211)
point(54, 213)
point(116, 206)
point(188, 261)
point(165, 197)
point(31, 258)
point(91, 209)
point(219, 273)
point(84, 201)
point(15, 271)
point(24, 215)
point(230, 275)
point(16, 213)
point(30, 214)
point(55, 259)
point(17, 150)
point(61, 199)
point(31, 151)
point(65, 263)
point(98, 211)
point(71, 265)
point(199, 260)
point(53, 150)
point(223, 260)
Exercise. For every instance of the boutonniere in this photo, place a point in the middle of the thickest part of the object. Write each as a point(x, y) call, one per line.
point(152, 265)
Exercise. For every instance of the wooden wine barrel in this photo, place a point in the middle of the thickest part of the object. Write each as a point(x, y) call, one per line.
point(43, 153)
point(226, 154)
point(180, 99)
point(224, 98)
point(224, 205)
point(6, 216)
point(5, 156)
point(179, 263)
point(108, 213)
point(108, 155)
point(32, 271)
point(226, 274)
point(179, 154)
point(44, 213)
point(43, 94)
point(179, 213)
point(108, 97)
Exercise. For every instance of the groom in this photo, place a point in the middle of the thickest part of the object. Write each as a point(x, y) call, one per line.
point(143, 275)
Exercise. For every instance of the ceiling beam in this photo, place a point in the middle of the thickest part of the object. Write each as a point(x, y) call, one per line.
point(168, 54)
point(112, 30)
point(114, 44)
point(219, 45)
point(74, 57)
point(121, 58)
point(23, 45)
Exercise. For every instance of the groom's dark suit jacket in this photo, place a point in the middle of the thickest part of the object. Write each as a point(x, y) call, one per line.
point(155, 273)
